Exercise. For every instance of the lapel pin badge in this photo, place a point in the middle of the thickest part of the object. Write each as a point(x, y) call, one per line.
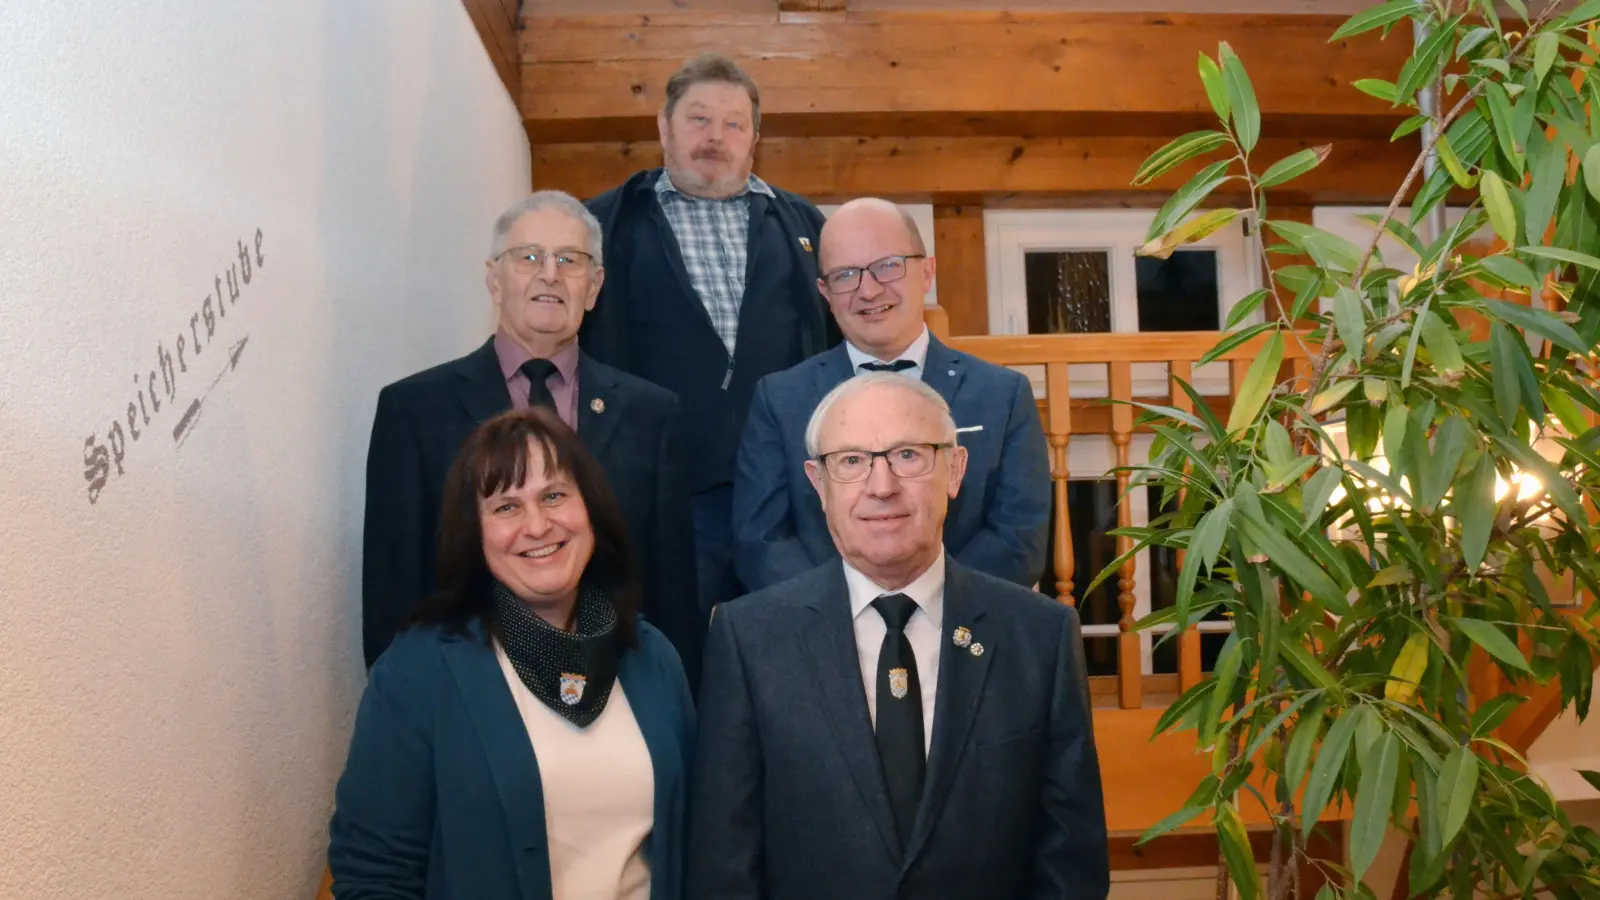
point(597, 405)
point(977, 649)
point(805, 244)
point(572, 688)
point(962, 637)
point(899, 683)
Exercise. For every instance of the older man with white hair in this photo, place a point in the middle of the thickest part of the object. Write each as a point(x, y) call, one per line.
point(544, 271)
point(893, 725)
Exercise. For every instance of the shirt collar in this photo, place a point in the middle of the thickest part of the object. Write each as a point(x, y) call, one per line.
point(926, 589)
point(917, 352)
point(512, 355)
point(753, 184)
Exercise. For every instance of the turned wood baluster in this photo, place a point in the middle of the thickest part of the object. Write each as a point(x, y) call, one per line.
point(1058, 410)
point(1130, 663)
point(1189, 641)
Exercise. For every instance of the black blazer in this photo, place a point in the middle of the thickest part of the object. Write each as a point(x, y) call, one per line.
point(423, 420)
point(788, 801)
point(649, 320)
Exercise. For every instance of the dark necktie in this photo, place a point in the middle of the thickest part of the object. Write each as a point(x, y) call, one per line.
point(899, 365)
point(538, 371)
point(899, 713)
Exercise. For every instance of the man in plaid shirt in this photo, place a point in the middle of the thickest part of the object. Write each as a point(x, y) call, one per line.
point(710, 285)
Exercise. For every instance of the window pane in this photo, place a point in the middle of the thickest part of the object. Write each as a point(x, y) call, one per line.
point(1069, 291)
point(1164, 593)
point(1178, 293)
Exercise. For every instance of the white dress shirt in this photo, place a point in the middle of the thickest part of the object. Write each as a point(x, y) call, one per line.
point(917, 353)
point(923, 631)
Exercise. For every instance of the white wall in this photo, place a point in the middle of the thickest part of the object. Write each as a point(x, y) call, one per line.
point(179, 658)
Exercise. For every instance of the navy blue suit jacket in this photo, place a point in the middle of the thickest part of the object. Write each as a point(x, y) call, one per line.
point(788, 799)
point(420, 425)
point(440, 797)
point(996, 524)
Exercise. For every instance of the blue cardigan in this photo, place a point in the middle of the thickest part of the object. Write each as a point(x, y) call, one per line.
point(440, 797)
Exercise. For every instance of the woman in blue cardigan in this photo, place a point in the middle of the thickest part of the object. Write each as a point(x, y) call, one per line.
point(527, 737)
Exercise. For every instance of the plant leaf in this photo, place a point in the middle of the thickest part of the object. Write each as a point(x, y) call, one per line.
point(1374, 797)
point(1458, 781)
point(1441, 344)
point(1497, 200)
point(1185, 199)
point(1236, 852)
point(1294, 165)
point(1493, 713)
point(1377, 17)
point(1309, 667)
point(1178, 151)
point(1326, 770)
point(1243, 110)
point(1349, 317)
point(1500, 119)
point(1298, 754)
point(1258, 383)
point(1317, 491)
point(1511, 270)
point(1544, 55)
point(1216, 88)
point(1496, 644)
point(1197, 228)
point(1205, 542)
point(1174, 821)
point(1539, 322)
point(1233, 340)
point(1475, 509)
point(1377, 87)
point(1408, 667)
point(1246, 305)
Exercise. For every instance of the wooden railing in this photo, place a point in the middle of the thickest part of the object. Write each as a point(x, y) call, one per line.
point(1104, 368)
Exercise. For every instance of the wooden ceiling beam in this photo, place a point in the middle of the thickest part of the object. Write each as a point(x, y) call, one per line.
point(498, 23)
point(804, 6)
point(991, 169)
point(901, 72)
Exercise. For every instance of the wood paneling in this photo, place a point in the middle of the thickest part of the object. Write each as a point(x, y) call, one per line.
point(983, 169)
point(583, 74)
point(497, 22)
point(962, 269)
point(811, 5)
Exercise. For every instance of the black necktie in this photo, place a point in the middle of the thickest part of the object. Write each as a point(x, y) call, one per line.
point(538, 371)
point(899, 365)
point(899, 713)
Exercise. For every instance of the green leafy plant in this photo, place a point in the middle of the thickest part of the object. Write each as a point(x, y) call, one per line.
point(1391, 517)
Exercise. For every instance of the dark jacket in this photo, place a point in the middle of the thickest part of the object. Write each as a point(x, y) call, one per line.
point(440, 797)
point(788, 800)
point(649, 320)
point(420, 425)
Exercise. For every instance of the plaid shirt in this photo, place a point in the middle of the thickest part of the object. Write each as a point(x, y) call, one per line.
point(714, 237)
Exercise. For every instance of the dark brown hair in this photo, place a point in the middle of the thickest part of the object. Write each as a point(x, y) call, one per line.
point(496, 457)
point(713, 67)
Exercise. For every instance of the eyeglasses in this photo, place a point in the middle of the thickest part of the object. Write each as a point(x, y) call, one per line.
point(528, 260)
point(905, 461)
point(890, 268)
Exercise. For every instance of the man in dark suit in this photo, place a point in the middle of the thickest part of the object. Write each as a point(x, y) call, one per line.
point(544, 274)
point(876, 274)
point(710, 286)
point(894, 725)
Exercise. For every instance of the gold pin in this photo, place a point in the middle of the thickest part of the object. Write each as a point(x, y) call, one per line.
point(899, 683)
point(962, 637)
point(805, 244)
point(597, 405)
point(977, 649)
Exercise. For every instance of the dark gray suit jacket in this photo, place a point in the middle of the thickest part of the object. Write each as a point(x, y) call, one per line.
point(788, 800)
point(996, 524)
point(420, 425)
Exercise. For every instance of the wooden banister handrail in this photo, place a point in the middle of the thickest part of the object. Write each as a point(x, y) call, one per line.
point(1131, 347)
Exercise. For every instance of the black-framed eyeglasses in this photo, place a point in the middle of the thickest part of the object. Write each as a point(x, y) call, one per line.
point(905, 461)
point(890, 268)
point(528, 260)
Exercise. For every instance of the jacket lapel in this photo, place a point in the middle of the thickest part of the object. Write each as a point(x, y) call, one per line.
point(674, 255)
point(831, 646)
point(651, 711)
point(599, 405)
point(483, 389)
point(506, 746)
point(942, 370)
point(961, 678)
point(832, 368)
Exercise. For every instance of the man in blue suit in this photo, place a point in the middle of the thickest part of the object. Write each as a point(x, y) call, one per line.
point(875, 274)
point(893, 725)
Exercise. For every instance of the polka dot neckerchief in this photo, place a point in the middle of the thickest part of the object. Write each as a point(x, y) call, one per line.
point(570, 672)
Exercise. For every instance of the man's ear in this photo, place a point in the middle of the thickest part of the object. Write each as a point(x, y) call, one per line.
point(958, 468)
point(594, 291)
point(663, 129)
point(814, 472)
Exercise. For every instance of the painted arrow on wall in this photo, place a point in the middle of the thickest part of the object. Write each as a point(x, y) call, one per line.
point(181, 431)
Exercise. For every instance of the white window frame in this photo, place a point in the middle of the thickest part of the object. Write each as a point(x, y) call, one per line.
point(1009, 235)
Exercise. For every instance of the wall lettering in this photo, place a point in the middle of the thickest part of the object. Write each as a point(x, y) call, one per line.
point(104, 452)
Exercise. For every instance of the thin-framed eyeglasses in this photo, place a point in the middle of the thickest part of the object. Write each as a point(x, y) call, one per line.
point(890, 268)
point(528, 260)
point(905, 461)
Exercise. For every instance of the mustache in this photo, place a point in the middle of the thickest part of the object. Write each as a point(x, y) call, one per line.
point(710, 153)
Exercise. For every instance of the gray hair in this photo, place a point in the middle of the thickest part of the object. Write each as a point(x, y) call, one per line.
point(867, 381)
point(538, 201)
